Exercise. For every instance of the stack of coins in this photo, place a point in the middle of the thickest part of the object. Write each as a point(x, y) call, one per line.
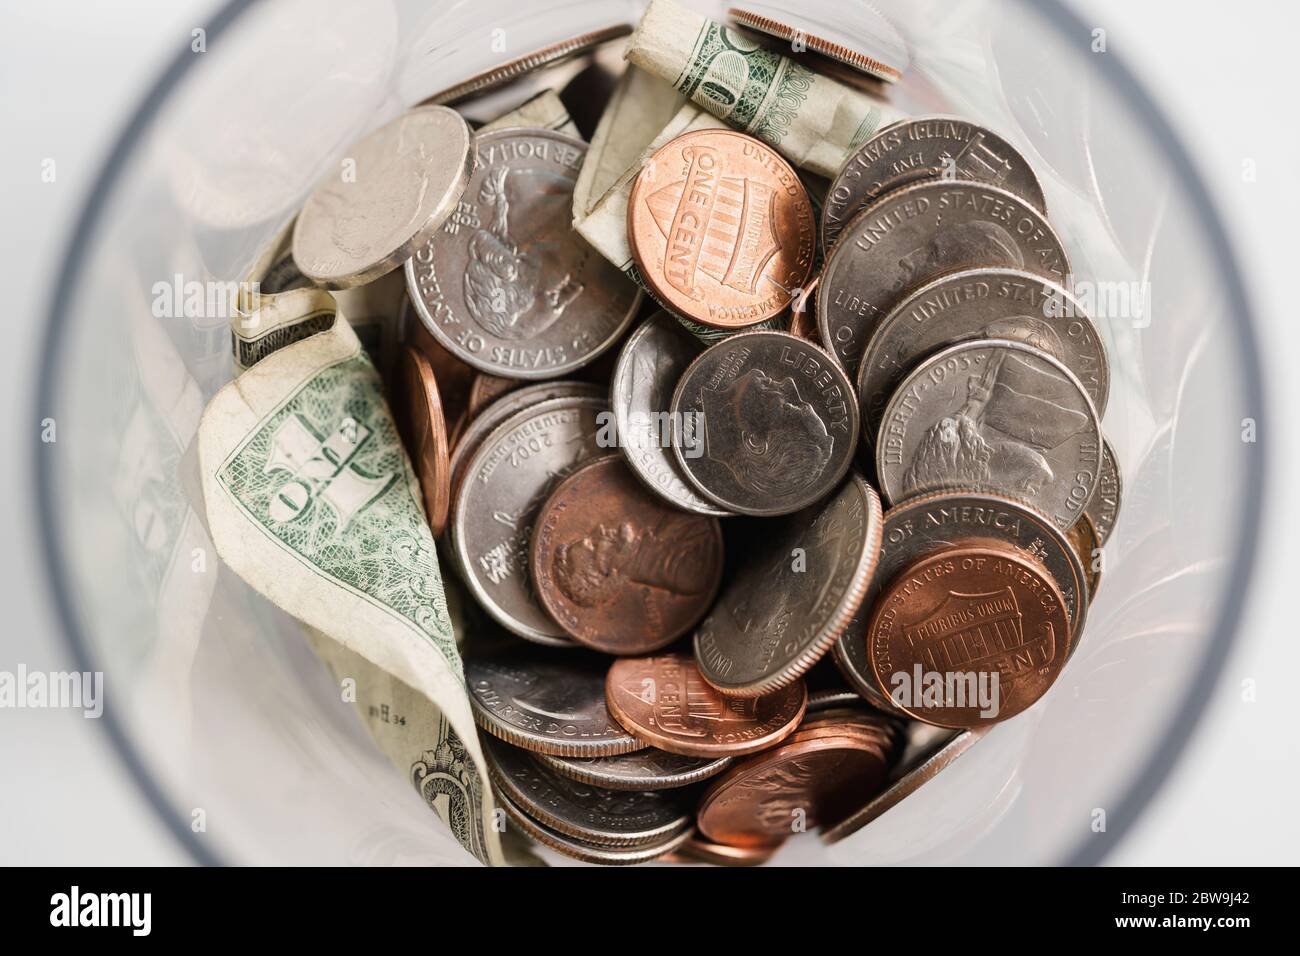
point(884, 479)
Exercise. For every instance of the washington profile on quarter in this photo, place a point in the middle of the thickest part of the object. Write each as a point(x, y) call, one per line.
point(506, 284)
point(764, 423)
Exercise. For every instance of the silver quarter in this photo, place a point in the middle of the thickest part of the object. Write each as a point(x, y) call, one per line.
point(920, 149)
point(640, 394)
point(980, 303)
point(992, 415)
point(913, 235)
point(403, 181)
point(935, 522)
point(501, 491)
point(764, 423)
point(798, 583)
point(546, 701)
point(506, 285)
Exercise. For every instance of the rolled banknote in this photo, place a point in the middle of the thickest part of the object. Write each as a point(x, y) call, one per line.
point(311, 499)
point(814, 121)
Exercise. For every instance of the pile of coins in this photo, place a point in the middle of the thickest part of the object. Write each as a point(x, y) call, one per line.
point(816, 468)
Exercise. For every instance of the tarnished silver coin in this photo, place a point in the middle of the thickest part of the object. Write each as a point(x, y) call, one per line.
point(764, 423)
point(506, 284)
point(980, 303)
point(546, 701)
point(1103, 509)
point(993, 415)
point(797, 584)
point(593, 814)
point(640, 393)
point(930, 523)
point(591, 852)
point(919, 149)
point(403, 181)
point(649, 769)
point(501, 491)
point(913, 235)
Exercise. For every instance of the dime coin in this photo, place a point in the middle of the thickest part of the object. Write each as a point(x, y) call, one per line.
point(621, 571)
point(592, 814)
point(980, 303)
point(506, 284)
point(860, 36)
point(591, 852)
point(546, 701)
point(795, 589)
point(905, 786)
point(482, 425)
point(915, 234)
point(821, 700)
point(993, 415)
point(665, 702)
point(1103, 509)
point(920, 149)
point(410, 174)
point(1083, 537)
point(764, 423)
point(817, 780)
point(935, 522)
point(426, 436)
point(648, 769)
point(968, 637)
point(552, 55)
point(721, 228)
point(640, 391)
point(505, 483)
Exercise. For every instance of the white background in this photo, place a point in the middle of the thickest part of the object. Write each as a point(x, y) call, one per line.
point(71, 72)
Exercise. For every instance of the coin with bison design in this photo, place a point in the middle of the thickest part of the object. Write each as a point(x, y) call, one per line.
point(968, 637)
point(764, 423)
point(998, 416)
point(721, 228)
point(620, 570)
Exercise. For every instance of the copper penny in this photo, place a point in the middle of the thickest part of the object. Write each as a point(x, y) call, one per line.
point(453, 376)
point(426, 436)
point(803, 318)
point(700, 850)
point(721, 228)
point(968, 637)
point(621, 571)
point(806, 781)
point(663, 701)
point(486, 389)
point(1085, 540)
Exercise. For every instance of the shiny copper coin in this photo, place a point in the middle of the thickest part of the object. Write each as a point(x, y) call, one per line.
point(721, 228)
point(806, 781)
point(454, 377)
point(968, 637)
point(620, 570)
point(664, 702)
point(700, 850)
point(426, 436)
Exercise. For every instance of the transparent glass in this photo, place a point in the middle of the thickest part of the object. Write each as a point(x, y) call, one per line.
point(215, 701)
